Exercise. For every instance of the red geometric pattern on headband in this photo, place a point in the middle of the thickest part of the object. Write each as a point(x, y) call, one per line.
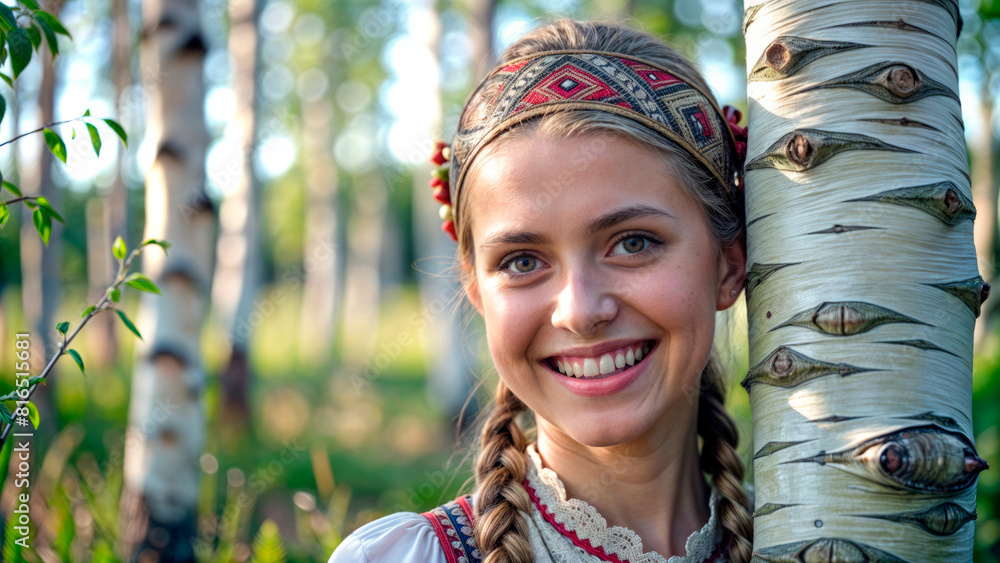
point(583, 79)
point(568, 83)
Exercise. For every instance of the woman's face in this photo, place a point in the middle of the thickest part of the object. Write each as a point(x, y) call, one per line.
point(591, 260)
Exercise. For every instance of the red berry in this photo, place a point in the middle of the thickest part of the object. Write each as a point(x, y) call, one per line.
point(441, 194)
point(449, 227)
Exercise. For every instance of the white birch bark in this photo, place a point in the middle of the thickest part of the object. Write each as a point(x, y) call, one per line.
point(362, 284)
point(238, 266)
point(166, 419)
point(322, 263)
point(862, 283)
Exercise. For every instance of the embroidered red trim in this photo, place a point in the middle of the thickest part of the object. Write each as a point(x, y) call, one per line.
point(577, 540)
point(442, 537)
point(468, 510)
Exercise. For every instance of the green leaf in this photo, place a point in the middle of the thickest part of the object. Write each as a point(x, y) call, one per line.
point(43, 202)
point(5, 413)
point(30, 203)
point(31, 4)
point(116, 295)
point(62, 328)
point(55, 143)
point(128, 323)
point(52, 22)
point(50, 36)
point(7, 19)
point(3, 108)
point(11, 188)
point(86, 113)
point(78, 359)
point(118, 130)
point(43, 224)
point(161, 243)
point(34, 379)
point(72, 133)
point(95, 138)
point(142, 283)
point(33, 414)
point(87, 311)
point(268, 546)
point(4, 214)
point(19, 43)
point(119, 249)
point(2, 75)
point(34, 36)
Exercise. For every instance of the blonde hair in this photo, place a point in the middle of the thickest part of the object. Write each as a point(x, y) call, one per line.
point(500, 530)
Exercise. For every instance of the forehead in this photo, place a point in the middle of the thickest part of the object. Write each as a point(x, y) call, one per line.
point(534, 176)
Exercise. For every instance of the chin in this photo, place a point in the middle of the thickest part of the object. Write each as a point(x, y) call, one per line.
point(597, 433)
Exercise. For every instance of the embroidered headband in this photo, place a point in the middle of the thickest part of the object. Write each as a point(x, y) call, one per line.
point(584, 79)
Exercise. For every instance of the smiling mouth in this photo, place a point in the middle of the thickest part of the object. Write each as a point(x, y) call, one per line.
point(605, 365)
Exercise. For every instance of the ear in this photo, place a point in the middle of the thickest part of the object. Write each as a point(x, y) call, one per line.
point(471, 287)
point(732, 273)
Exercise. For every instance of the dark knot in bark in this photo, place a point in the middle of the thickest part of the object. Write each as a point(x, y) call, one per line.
point(902, 80)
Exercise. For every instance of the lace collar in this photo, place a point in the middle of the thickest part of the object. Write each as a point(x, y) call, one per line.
point(585, 527)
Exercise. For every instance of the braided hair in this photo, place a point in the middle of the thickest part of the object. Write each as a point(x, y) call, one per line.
point(500, 529)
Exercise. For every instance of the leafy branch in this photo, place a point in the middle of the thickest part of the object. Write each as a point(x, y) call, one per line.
point(17, 44)
point(111, 296)
point(43, 211)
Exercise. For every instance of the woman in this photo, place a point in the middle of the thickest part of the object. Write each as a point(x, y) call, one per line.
point(593, 190)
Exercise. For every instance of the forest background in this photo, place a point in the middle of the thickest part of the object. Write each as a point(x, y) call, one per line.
point(334, 353)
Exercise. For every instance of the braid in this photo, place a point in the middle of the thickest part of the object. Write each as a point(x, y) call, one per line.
point(499, 527)
point(718, 457)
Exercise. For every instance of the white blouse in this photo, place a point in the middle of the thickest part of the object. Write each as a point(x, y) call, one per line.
point(562, 530)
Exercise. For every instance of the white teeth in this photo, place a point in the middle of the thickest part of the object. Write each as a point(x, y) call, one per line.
point(603, 365)
point(607, 364)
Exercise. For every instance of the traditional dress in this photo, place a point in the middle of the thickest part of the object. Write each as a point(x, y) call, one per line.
point(562, 530)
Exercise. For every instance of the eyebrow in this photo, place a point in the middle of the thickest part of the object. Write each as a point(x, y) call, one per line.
point(594, 226)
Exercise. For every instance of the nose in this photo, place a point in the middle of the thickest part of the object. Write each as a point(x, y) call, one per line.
point(585, 303)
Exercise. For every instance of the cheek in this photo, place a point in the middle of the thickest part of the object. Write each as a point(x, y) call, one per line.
point(511, 318)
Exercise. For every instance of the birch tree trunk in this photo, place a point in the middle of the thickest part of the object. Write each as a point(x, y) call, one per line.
point(113, 218)
point(323, 256)
point(862, 284)
point(480, 30)
point(362, 283)
point(166, 420)
point(237, 272)
point(449, 381)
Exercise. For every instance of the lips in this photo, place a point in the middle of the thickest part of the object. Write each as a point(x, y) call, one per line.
point(601, 365)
